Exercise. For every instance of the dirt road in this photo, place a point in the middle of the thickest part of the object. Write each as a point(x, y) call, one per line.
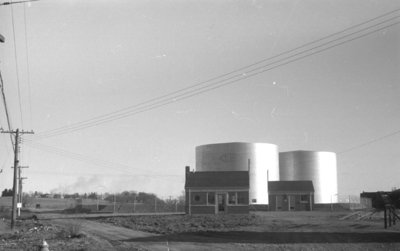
point(106, 231)
point(118, 238)
point(111, 237)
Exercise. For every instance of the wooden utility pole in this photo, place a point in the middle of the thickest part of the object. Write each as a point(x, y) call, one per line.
point(16, 162)
point(20, 178)
point(16, 165)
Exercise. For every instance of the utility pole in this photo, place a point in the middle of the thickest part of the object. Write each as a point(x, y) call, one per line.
point(16, 164)
point(20, 178)
point(16, 132)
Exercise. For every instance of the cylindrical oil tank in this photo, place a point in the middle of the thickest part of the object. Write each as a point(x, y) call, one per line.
point(260, 159)
point(319, 167)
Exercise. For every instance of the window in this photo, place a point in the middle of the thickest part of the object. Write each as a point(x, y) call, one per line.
point(232, 198)
point(199, 198)
point(242, 198)
point(304, 198)
point(211, 198)
point(238, 198)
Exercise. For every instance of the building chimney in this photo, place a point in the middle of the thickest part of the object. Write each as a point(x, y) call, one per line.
point(187, 171)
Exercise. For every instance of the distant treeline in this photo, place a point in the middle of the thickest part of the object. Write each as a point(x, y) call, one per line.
point(122, 197)
point(6, 192)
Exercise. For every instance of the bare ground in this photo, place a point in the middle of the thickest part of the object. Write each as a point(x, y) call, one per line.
point(262, 231)
point(259, 231)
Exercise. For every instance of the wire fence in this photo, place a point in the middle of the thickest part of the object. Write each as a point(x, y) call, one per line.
point(70, 205)
point(157, 206)
point(153, 205)
point(353, 202)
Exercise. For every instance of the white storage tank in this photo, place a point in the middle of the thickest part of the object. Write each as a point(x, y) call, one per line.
point(260, 159)
point(319, 167)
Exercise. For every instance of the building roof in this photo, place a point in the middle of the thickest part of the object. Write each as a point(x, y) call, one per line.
point(291, 186)
point(217, 179)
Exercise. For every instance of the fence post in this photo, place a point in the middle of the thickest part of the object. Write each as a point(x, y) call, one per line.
point(349, 202)
point(385, 216)
point(114, 204)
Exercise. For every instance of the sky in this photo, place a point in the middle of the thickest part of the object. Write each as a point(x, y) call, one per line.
point(64, 62)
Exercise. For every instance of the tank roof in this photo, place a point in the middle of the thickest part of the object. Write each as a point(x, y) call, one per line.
point(237, 142)
point(306, 151)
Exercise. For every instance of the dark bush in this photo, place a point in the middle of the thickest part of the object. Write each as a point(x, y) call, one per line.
point(77, 210)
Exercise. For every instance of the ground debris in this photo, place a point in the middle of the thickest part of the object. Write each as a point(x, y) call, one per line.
point(180, 224)
point(30, 235)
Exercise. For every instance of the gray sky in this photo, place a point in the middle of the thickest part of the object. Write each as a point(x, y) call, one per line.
point(90, 58)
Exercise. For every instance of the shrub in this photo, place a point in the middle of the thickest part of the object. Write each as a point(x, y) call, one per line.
point(77, 210)
point(74, 230)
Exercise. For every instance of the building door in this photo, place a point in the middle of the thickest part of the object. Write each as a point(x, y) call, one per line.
point(279, 203)
point(221, 205)
point(292, 202)
point(283, 202)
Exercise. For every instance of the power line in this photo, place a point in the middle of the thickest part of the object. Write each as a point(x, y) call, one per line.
point(167, 99)
point(80, 157)
point(105, 174)
point(238, 70)
point(6, 109)
point(215, 78)
point(370, 142)
point(16, 65)
point(5, 161)
point(9, 3)
point(112, 116)
point(75, 156)
point(27, 67)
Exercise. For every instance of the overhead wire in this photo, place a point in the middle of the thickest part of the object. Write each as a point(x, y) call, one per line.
point(104, 174)
point(140, 108)
point(6, 111)
point(82, 123)
point(16, 65)
point(3, 166)
point(90, 160)
point(184, 95)
point(234, 71)
point(72, 155)
point(28, 67)
point(6, 145)
point(369, 142)
point(28, 79)
point(14, 2)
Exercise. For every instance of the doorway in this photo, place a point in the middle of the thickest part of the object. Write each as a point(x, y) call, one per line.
point(221, 205)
